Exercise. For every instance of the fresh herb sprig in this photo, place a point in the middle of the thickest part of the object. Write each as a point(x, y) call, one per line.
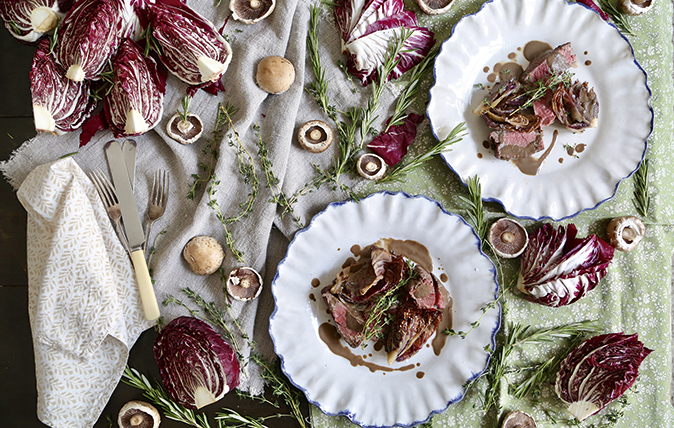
point(319, 88)
point(642, 197)
point(184, 110)
point(475, 212)
point(617, 16)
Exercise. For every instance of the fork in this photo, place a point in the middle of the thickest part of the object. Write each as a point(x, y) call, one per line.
point(109, 197)
point(158, 199)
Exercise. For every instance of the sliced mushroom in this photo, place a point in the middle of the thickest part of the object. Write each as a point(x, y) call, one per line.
point(518, 419)
point(203, 254)
point(185, 131)
point(625, 232)
point(251, 11)
point(636, 7)
point(244, 284)
point(508, 238)
point(315, 136)
point(371, 166)
point(275, 74)
point(435, 7)
point(138, 414)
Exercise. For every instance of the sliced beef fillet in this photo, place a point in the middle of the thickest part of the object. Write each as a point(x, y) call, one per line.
point(543, 109)
point(349, 319)
point(424, 290)
point(409, 331)
point(551, 62)
point(512, 145)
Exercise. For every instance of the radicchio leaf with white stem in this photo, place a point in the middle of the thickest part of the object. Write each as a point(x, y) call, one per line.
point(557, 268)
point(28, 20)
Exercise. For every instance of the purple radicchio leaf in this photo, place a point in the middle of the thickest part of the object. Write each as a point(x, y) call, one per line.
point(134, 105)
point(557, 268)
point(59, 104)
point(592, 5)
point(28, 20)
point(392, 145)
point(196, 365)
point(599, 371)
point(353, 17)
point(89, 36)
point(191, 47)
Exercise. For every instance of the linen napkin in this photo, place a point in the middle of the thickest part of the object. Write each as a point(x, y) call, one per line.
point(84, 306)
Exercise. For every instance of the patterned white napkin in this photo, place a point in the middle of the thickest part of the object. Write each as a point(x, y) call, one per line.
point(84, 306)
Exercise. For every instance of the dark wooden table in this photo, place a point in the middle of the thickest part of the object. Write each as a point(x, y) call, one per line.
point(18, 395)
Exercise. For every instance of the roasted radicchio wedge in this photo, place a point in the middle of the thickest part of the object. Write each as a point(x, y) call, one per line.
point(135, 102)
point(576, 106)
point(196, 365)
point(59, 104)
point(191, 48)
point(369, 28)
point(599, 371)
point(28, 20)
point(557, 268)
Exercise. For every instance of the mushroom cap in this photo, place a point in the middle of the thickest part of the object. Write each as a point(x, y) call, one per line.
point(176, 129)
point(435, 7)
point(636, 7)
point(244, 284)
point(138, 414)
point(251, 11)
point(371, 166)
point(518, 419)
point(275, 74)
point(203, 254)
point(508, 238)
point(315, 136)
point(625, 233)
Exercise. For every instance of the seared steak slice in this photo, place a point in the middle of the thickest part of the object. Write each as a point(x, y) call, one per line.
point(551, 62)
point(409, 331)
point(424, 290)
point(350, 321)
point(511, 145)
point(543, 109)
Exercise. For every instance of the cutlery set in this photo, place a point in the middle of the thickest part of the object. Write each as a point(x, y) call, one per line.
point(120, 203)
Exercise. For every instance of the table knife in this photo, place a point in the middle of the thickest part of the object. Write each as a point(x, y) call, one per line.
point(133, 227)
point(129, 150)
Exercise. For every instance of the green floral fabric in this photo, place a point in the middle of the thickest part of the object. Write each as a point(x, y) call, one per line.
point(635, 296)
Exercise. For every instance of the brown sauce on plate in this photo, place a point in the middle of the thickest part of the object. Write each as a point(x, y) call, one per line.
point(530, 165)
point(534, 48)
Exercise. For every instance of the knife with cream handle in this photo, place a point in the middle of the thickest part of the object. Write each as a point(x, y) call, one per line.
point(132, 226)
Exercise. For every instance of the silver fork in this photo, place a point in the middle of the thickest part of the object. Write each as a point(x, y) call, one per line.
point(158, 199)
point(108, 195)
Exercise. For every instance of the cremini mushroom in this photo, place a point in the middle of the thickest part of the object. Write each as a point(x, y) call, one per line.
point(315, 136)
point(185, 130)
point(508, 238)
point(518, 419)
point(244, 284)
point(624, 233)
point(251, 11)
point(435, 7)
point(203, 254)
point(636, 7)
point(275, 74)
point(138, 414)
point(371, 166)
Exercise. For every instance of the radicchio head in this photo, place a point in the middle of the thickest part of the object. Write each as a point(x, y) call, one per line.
point(28, 20)
point(557, 268)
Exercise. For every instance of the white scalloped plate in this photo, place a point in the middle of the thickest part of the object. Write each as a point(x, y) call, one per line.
point(330, 381)
point(614, 149)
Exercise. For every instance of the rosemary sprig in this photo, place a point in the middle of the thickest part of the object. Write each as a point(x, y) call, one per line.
point(157, 396)
point(617, 16)
point(642, 198)
point(401, 170)
point(319, 88)
point(475, 212)
point(184, 111)
point(151, 43)
point(233, 419)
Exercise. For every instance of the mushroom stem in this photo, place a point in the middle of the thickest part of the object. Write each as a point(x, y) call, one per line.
point(136, 420)
point(508, 237)
point(629, 234)
point(184, 126)
point(315, 135)
point(255, 4)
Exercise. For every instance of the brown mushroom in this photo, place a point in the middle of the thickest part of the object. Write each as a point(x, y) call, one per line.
point(203, 254)
point(625, 233)
point(508, 238)
point(275, 74)
point(251, 11)
point(435, 7)
point(636, 7)
point(138, 414)
point(315, 136)
point(518, 419)
point(371, 166)
point(244, 284)
point(185, 130)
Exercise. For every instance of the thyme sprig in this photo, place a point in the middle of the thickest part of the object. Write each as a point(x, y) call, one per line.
point(642, 198)
point(617, 16)
point(542, 86)
point(401, 170)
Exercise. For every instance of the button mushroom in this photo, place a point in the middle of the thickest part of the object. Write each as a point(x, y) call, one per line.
point(244, 284)
point(518, 419)
point(371, 166)
point(203, 254)
point(251, 11)
point(185, 129)
point(508, 238)
point(315, 136)
point(435, 7)
point(275, 74)
point(625, 232)
point(138, 414)
point(636, 7)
